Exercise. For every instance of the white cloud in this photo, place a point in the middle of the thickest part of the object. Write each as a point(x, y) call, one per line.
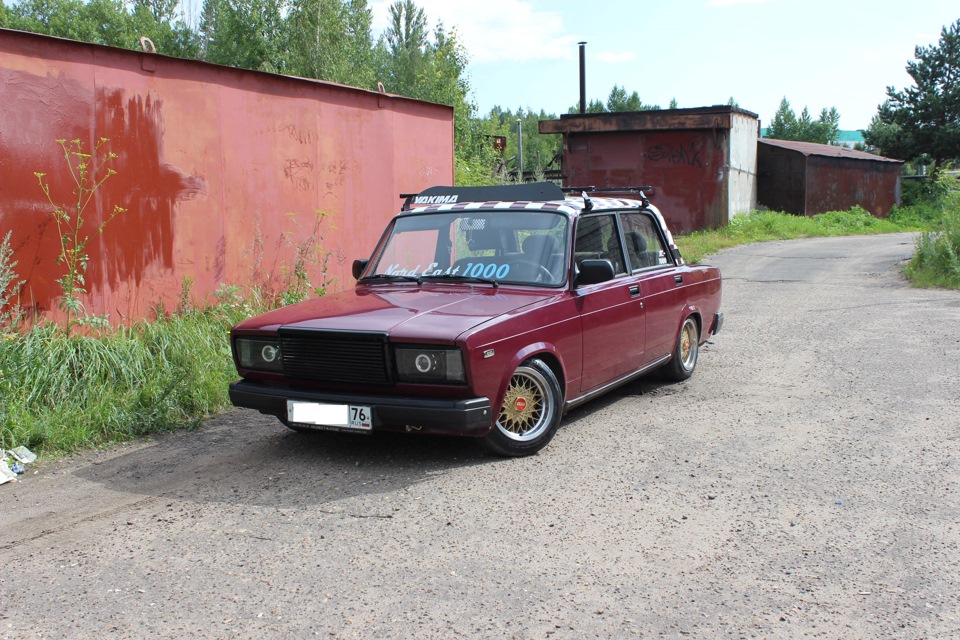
point(495, 30)
point(615, 57)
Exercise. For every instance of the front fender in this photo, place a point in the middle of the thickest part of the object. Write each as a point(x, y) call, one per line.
point(552, 357)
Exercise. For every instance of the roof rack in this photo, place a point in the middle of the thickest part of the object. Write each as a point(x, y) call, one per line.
point(642, 191)
point(531, 192)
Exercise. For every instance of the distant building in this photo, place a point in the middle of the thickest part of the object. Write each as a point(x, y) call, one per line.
point(850, 139)
point(807, 178)
point(702, 162)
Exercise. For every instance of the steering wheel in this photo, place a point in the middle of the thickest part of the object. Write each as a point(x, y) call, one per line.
point(542, 274)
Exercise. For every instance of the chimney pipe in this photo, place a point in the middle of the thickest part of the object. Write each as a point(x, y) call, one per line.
point(583, 77)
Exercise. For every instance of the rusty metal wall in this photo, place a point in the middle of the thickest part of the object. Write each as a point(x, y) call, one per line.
point(781, 179)
point(702, 175)
point(836, 184)
point(685, 168)
point(810, 184)
point(222, 171)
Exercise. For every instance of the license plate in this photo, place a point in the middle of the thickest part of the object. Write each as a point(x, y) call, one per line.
point(338, 416)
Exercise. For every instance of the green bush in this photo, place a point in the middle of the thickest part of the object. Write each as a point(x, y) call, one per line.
point(917, 191)
point(937, 260)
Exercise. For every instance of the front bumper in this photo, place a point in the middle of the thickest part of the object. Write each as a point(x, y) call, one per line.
point(467, 417)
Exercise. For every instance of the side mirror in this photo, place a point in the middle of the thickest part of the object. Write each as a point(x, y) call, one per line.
point(594, 271)
point(358, 267)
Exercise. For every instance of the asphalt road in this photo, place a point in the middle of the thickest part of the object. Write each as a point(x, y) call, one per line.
point(804, 483)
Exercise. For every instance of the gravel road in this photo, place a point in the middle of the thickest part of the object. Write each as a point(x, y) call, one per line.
point(804, 483)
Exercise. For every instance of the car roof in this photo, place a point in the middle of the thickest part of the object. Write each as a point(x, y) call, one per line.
point(539, 196)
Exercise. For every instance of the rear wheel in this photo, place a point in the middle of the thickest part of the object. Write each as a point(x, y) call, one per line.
point(530, 413)
point(685, 354)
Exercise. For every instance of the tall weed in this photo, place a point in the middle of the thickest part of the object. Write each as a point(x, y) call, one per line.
point(65, 392)
point(9, 285)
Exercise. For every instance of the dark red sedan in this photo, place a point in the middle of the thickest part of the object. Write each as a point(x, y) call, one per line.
point(485, 312)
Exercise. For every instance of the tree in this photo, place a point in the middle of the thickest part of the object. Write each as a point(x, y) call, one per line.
point(402, 49)
point(617, 102)
point(784, 122)
point(924, 118)
point(244, 33)
point(331, 40)
point(539, 151)
point(787, 126)
point(108, 22)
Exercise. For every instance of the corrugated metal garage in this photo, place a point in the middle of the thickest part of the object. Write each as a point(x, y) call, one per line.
point(702, 162)
point(221, 170)
point(807, 178)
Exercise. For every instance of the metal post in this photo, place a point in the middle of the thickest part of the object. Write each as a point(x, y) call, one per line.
point(519, 150)
point(583, 77)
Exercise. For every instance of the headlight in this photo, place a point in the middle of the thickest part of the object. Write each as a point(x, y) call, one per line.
point(430, 364)
point(262, 354)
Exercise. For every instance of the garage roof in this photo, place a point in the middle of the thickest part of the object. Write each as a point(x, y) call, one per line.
point(825, 150)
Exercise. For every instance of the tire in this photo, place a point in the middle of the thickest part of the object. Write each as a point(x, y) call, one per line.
point(685, 354)
point(531, 412)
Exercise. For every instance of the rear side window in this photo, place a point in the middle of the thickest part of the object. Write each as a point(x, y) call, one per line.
point(597, 239)
point(644, 246)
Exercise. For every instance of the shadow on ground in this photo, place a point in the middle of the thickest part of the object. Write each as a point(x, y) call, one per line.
point(247, 458)
point(244, 457)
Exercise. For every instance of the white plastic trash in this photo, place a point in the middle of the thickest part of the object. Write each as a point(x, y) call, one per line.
point(22, 454)
point(6, 475)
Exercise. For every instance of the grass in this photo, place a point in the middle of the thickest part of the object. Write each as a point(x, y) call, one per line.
point(762, 226)
point(937, 260)
point(62, 393)
point(934, 211)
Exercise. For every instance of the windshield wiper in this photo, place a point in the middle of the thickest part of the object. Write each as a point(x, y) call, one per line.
point(391, 276)
point(460, 278)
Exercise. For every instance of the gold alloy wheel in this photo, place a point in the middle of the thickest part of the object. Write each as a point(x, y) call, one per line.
point(688, 344)
point(527, 410)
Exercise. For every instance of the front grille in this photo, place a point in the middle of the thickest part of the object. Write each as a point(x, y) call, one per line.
point(353, 357)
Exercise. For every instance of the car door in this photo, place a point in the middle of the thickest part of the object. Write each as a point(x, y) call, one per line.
point(660, 280)
point(611, 313)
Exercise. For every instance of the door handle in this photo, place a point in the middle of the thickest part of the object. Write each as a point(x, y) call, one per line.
point(678, 279)
point(634, 290)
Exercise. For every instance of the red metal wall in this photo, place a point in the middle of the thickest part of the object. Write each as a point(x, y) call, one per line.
point(221, 170)
point(837, 184)
point(685, 167)
point(807, 184)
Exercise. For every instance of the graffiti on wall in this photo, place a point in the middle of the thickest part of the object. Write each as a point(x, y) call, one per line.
point(688, 154)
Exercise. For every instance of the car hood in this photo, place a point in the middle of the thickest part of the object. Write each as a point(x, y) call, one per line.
point(407, 312)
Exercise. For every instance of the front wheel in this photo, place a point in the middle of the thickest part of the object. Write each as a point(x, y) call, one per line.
point(685, 354)
point(530, 413)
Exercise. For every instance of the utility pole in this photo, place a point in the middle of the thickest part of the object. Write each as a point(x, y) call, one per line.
point(519, 151)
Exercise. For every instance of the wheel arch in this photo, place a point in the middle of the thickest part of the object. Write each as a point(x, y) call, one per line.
point(691, 312)
point(542, 351)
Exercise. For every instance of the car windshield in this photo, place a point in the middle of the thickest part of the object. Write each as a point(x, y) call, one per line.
point(502, 247)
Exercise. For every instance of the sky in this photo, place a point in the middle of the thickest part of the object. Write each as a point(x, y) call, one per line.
point(816, 53)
